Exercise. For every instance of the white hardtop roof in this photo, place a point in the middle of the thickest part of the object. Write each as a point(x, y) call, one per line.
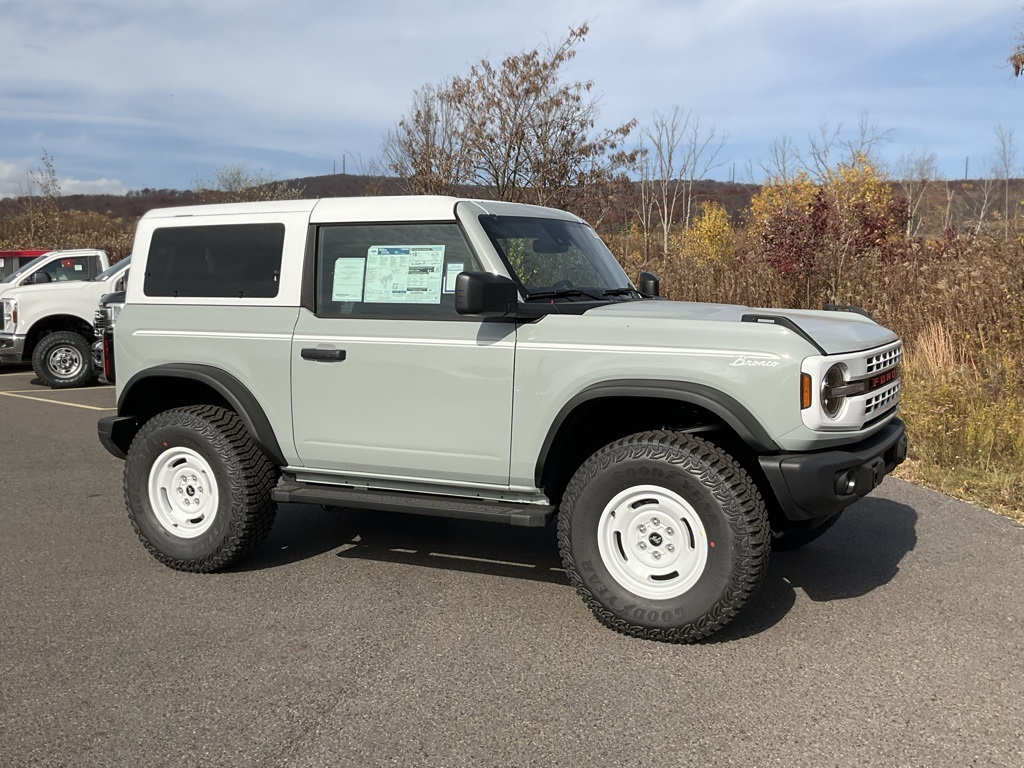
point(360, 209)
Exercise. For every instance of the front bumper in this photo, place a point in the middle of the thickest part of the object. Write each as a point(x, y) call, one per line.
point(116, 434)
point(12, 348)
point(822, 483)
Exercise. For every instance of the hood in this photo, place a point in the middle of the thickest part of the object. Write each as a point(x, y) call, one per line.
point(834, 332)
point(24, 290)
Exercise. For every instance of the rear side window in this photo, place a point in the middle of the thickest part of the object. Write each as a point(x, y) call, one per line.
point(225, 261)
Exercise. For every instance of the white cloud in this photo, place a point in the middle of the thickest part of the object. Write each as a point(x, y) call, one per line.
point(92, 187)
point(14, 179)
point(17, 180)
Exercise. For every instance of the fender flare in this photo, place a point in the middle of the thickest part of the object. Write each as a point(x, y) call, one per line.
point(237, 395)
point(724, 406)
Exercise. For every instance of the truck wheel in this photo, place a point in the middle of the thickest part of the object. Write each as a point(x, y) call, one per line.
point(198, 489)
point(63, 360)
point(794, 538)
point(664, 536)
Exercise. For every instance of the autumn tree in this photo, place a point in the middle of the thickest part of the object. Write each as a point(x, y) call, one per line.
point(709, 239)
point(916, 173)
point(426, 148)
point(677, 153)
point(40, 222)
point(813, 228)
point(234, 183)
point(41, 219)
point(1004, 166)
point(516, 130)
point(1016, 58)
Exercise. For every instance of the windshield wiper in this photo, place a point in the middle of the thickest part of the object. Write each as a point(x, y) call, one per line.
point(625, 292)
point(562, 293)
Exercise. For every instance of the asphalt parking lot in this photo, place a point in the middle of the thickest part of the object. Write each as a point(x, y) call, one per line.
point(369, 639)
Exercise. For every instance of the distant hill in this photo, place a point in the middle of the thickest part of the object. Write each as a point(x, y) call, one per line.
point(962, 196)
point(735, 197)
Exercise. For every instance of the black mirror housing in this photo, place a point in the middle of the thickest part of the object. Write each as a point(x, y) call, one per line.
point(649, 284)
point(39, 278)
point(481, 293)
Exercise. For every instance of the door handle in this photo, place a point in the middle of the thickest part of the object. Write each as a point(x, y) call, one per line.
point(323, 355)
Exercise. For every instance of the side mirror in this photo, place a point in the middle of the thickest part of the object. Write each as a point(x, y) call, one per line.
point(481, 293)
point(37, 278)
point(649, 284)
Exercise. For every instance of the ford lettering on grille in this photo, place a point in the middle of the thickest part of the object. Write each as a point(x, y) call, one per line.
point(883, 378)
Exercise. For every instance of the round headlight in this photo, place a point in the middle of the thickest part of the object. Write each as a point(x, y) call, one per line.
point(832, 404)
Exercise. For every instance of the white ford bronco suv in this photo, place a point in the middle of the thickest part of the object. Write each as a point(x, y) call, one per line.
point(489, 361)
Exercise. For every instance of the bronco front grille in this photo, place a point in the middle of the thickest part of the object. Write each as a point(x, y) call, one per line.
point(884, 360)
point(881, 400)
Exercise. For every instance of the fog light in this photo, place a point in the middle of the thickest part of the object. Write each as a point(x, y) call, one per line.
point(846, 483)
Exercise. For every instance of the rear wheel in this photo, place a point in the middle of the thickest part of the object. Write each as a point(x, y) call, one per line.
point(63, 360)
point(664, 536)
point(198, 489)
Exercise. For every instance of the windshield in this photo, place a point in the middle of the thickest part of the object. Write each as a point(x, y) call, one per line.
point(112, 270)
point(24, 268)
point(557, 258)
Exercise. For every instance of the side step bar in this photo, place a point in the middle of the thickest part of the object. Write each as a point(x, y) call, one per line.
point(510, 513)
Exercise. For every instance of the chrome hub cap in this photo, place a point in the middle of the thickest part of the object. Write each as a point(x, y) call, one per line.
point(65, 362)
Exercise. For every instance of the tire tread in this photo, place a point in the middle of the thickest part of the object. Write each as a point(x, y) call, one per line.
point(250, 483)
point(728, 482)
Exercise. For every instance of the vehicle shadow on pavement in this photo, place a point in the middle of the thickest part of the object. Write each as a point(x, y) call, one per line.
point(303, 531)
point(859, 554)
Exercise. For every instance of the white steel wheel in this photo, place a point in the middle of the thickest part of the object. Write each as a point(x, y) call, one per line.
point(183, 492)
point(652, 542)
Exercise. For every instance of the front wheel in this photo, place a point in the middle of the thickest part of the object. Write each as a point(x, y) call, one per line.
point(198, 488)
point(664, 536)
point(63, 360)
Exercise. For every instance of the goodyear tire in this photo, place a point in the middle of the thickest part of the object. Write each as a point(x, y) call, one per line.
point(794, 538)
point(664, 536)
point(63, 360)
point(198, 489)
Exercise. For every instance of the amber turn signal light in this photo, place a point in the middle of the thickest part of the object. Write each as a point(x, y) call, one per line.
point(805, 390)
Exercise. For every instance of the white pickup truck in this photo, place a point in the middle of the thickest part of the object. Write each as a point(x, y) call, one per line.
point(50, 322)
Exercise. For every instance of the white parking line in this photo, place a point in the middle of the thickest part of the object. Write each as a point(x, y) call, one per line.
point(57, 402)
point(69, 391)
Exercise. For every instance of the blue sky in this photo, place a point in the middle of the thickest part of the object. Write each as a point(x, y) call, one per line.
point(126, 94)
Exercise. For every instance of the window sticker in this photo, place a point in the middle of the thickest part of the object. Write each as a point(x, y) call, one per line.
point(452, 272)
point(404, 274)
point(348, 279)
